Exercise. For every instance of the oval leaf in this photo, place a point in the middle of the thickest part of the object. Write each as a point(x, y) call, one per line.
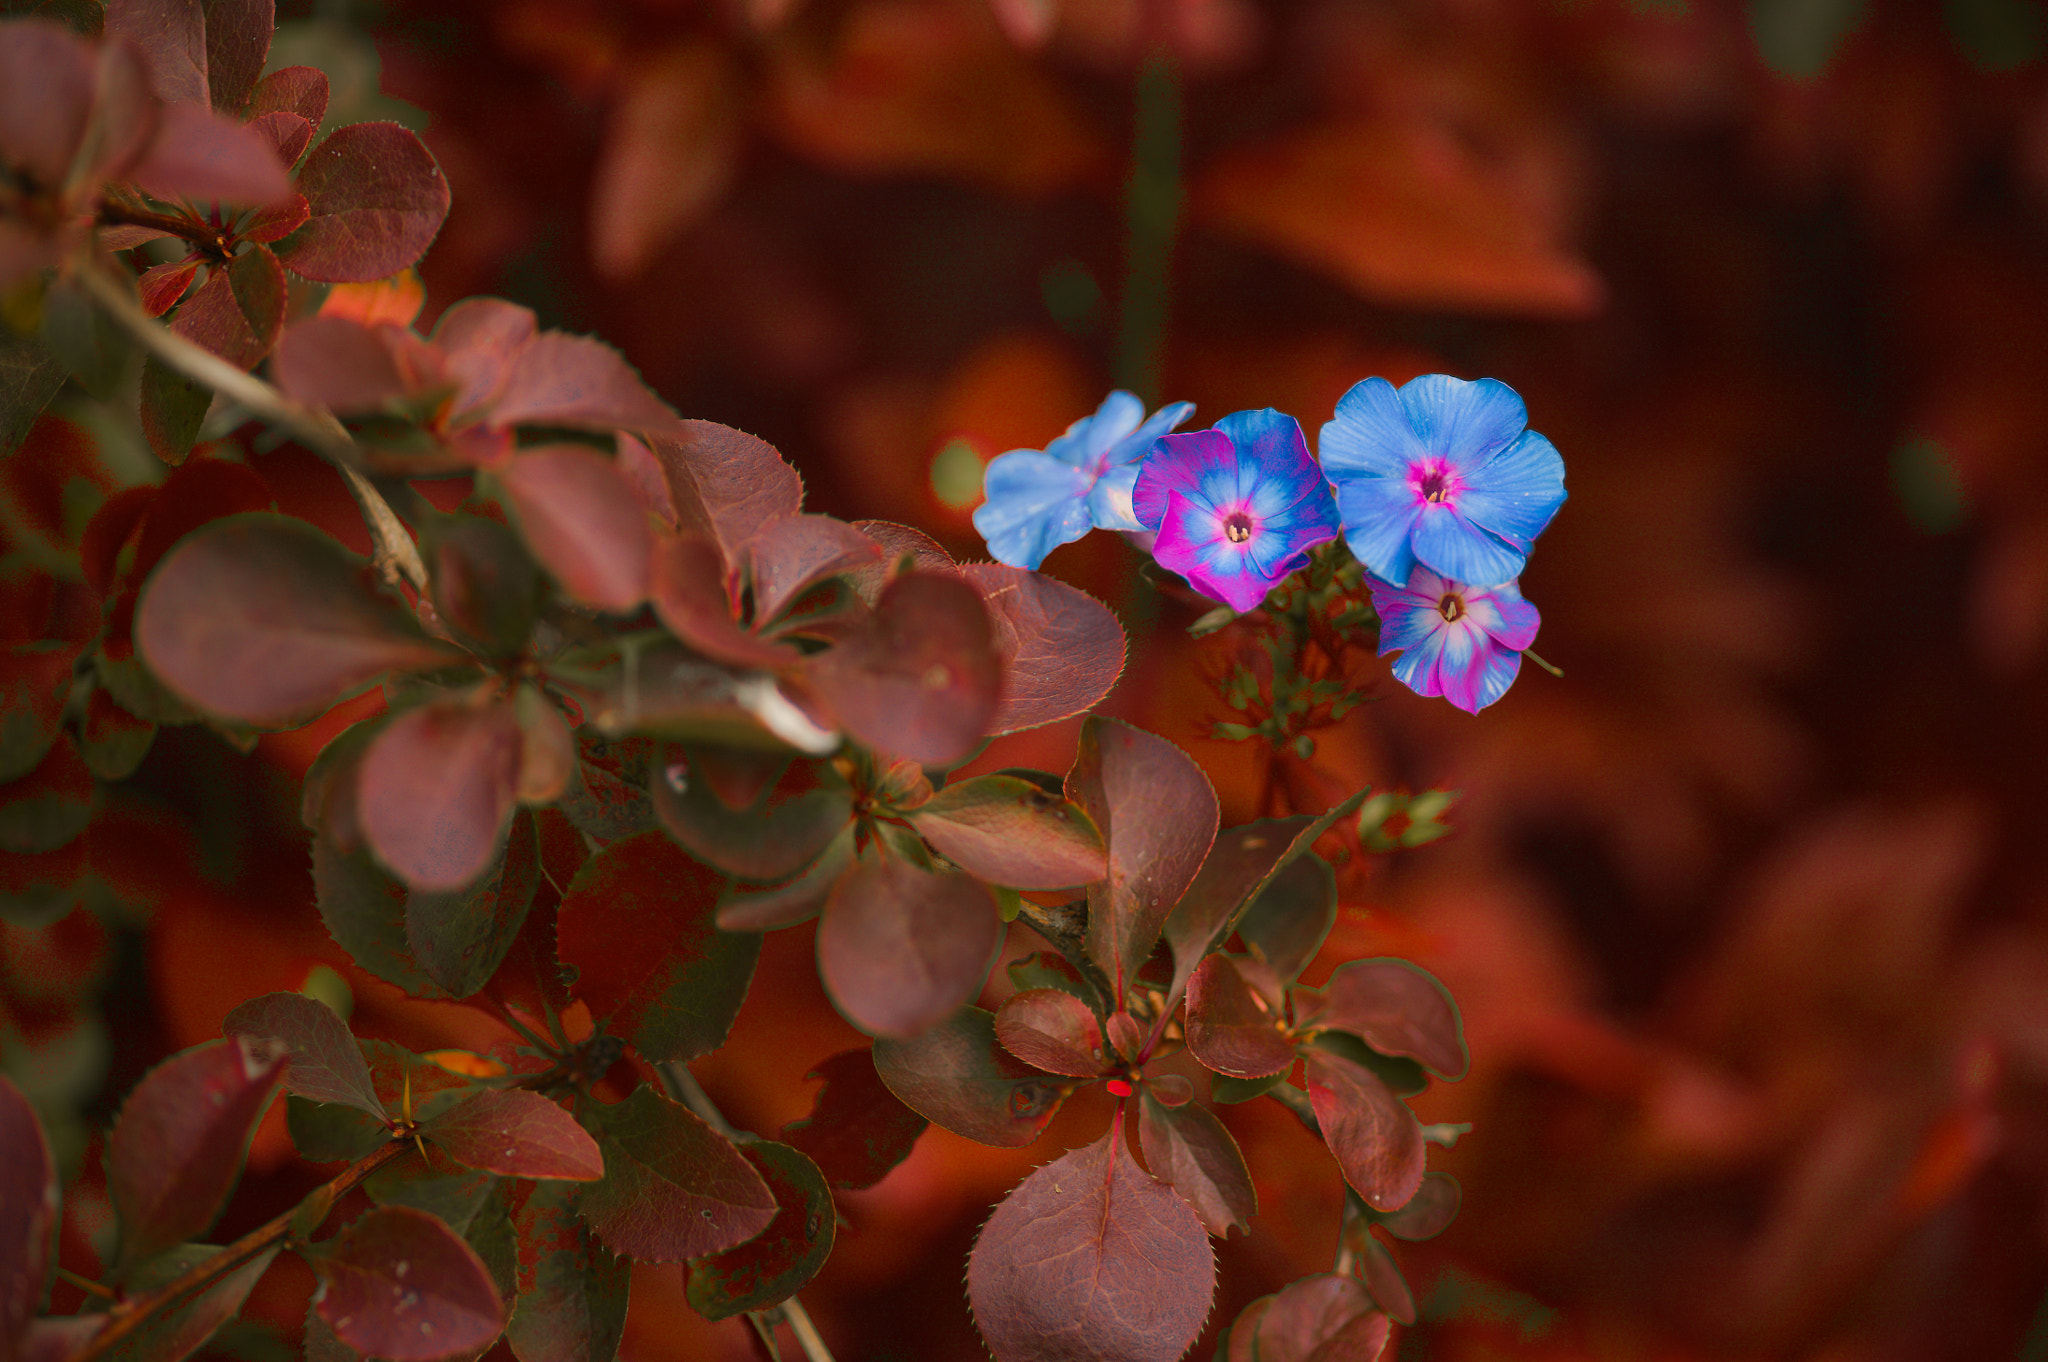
point(376, 200)
point(919, 678)
point(516, 1134)
point(770, 840)
point(958, 1075)
point(638, 926)
point(774, 1265)
point(1062, 650)
point(238, 312)
point(899, 947)
point(436, 790)
point(183, 1328)
point(1398, 1009)
point(857, 1130)
point(1429, 1212)
point(572, 1290)
point(263, 619)
point(1373, 1134)
point(1055, 1031)
point(176, 1148)
point(673, 1187)
point(583, 522)
point(1187, 1147)
point(326, 1063)
point(1091, 1258)
point(1008, 831)
point(461, 938)
point(399, 1284)
point(28, 1210)
point(1231, 1028)
point(1325, 1318)
point(725, 483)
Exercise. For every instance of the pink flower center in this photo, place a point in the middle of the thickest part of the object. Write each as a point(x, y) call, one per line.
point(1436, 481)
point(1237, 527)
point(1451, 607)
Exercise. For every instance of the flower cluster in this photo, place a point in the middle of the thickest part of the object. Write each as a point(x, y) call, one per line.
point(1438, 487)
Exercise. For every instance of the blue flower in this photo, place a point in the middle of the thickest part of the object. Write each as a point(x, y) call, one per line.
point(1237, 508)
point(1039, 500)
point(1444, 473)
point(1461, 642)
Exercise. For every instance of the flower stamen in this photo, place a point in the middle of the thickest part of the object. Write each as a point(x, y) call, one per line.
point(1237, 528)
point(1451, 607)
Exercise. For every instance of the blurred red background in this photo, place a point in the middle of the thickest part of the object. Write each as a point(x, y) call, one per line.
point(1746, 913)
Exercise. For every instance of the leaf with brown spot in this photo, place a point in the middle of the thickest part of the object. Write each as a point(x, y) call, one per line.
point(857, 1130)
point(776, 1263)
point(673, 1188)
point(958, 1075)
point(1090, 1258)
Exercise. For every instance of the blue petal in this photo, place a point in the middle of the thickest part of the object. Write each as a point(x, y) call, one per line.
point(1138, 443)
point(1089, 437)
point(1461, 551)
point(1508, 619)
point(1035, 504)
point(1465, 422)
point(1370, 434)
point(1109, 501)
point(1517, 492)
point(1501, 669)
point(1405, 622)
point(1378, 515)
point(1182, 464)
point(1418, 668)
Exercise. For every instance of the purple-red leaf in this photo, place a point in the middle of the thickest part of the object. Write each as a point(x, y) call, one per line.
point(958, 1075)
point(791, 554)
point(673, 1187)
point(725, 483)
point(288, 135)
point(1325, 1318)
point(459, 938)
point(1188, 1148)
point(774, 1265)
point(399, 1284)
point(857, 1130)
point(184, 1327)
point(687, 582)
point(1231, 1028)
point(637, 926)
point(1371, 1131)
point(1054, 1031)
point(1396, 1008)
point(237, 40)
point(327, 1064)
point(572, 1290)
point(919, 678)
point(1379, 1272)
point(584, 524)
point(769, 840)
point(201, 155)
point(376, 199)
point(437, 788)
point(1429, 1212)
point(177, 1146)
point(562, 380)
point(1062, 649)
point(516, 1134)
point(1009, 831)
point(266, 620)
point(900, 947)
point(1090, 1258)
point(301, 90)
point(1290, 918)
point(239, 310)
point(171, 34)
point(1158, 815)
point(28, 1210)
point(339, 362)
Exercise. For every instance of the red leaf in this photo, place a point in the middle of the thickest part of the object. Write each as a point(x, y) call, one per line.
point(898, 542)
point(919, 678)
point(1090, 1258)
point(288, 135)
point(1009, 831)
point(670, 150)
point(584, 524)
point(200, 155)
point(1324, 1318)
point(1187, 1147)
point(775, 1264)
point(1379, 1273)
point(770, 840)
point(1054, 1031)
point(176, 1148)
point(725, 484)
point(293, 89)
point(857, 1130)
point(1429, 1212)
point(673, 1187)
point(899, 947)
point(185, 1326)
point(1231, 1028)
point(1373, 1134)
point(377, 200)
point(958, 1075)
point(1158, 815)
point(1396, 1008)
point(266, 620)
point(239, 310)
point(436, 791)
point(28, 1211)
point(460, 938)
point(562, 380)
point(237, 40)
point(399, 1284)
point(688, 586)
point(637, 926)
point(162, 285)
point(1062, 649)
point(326, 1063)
point(572, 1291)
point(339, 362)
point(790, 555)
point(516, 1134)
point(1290, 918)
point(171, 35)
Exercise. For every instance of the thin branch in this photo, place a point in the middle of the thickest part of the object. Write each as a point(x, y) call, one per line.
point(316, 428)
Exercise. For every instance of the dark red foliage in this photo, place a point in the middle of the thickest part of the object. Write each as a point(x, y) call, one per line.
point(375, 197)
point(899, 947)
point(772, 1266)
point(516, 1134)
point(28, 1210)
point(400, 1284)
point(1395, 1007)
point(958, 1075)
point(858, 1129)
point(1231, 1027)
point(1052, 1030)
point(326, 1064)
point(673, 1188)
point(1371, 1131)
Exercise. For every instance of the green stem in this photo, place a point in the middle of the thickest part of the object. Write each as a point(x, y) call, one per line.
point(1530, 653)
point(396, 555)
point(128, 1316)
point(1152, 203)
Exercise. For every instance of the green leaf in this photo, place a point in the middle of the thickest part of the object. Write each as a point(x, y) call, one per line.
point(776, 1263)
